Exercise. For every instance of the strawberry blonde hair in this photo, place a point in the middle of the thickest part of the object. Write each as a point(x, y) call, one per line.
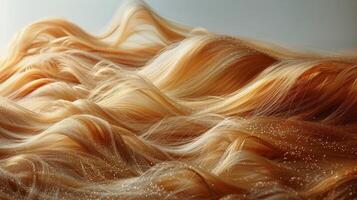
point(151, 109)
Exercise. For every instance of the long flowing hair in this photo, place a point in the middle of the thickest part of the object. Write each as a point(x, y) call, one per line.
point(152, 109)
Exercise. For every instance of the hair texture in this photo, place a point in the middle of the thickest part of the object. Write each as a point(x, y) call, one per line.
point(151, 109)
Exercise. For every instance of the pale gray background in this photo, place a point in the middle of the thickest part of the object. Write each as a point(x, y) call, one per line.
point(313, 24)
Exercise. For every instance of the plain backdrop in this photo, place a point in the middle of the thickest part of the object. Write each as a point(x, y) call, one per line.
point(313, 24)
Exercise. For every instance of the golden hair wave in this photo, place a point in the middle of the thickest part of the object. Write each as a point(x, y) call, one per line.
point(151, 109)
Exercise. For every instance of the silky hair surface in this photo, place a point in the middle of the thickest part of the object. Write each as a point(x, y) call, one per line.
point(151, 109)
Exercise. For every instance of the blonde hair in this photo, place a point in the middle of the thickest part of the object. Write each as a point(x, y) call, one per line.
point(152, 109)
